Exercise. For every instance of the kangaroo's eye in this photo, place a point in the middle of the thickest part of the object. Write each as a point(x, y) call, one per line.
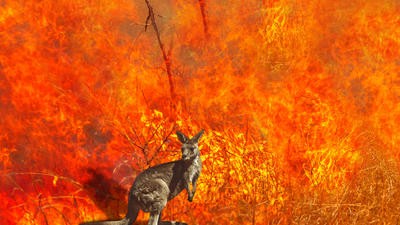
point(191, 149)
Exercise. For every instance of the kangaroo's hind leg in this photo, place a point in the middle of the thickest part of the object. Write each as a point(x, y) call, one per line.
point(154, 216)
point(152, 196)
point(159, 218)
point(156, 209)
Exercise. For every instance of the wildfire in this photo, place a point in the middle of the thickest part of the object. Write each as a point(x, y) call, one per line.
point(299, 100)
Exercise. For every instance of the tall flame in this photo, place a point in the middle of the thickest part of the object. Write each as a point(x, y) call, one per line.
point(299, 100)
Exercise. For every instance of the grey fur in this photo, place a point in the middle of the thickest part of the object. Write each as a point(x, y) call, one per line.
point(154, 187)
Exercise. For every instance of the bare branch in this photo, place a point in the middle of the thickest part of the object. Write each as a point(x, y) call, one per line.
point(166, 56)
point(202, 4)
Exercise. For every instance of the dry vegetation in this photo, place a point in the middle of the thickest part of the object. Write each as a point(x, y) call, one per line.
point(299, 100)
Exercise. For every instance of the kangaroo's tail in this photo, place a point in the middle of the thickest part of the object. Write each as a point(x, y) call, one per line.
point(133, 210)
point(124, 221)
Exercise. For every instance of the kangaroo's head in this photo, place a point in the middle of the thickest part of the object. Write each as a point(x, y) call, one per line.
point(190, 148)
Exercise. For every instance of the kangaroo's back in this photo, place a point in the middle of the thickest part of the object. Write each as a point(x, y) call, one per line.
point(174, 174)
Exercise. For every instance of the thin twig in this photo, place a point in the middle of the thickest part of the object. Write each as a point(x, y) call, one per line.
point(163, 142)
point(53, 206)
point(41, 210)
point(45, 174)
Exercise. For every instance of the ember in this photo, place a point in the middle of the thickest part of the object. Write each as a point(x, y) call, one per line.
point(300, 101)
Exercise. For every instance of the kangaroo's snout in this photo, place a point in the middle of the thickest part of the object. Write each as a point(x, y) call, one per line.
point(185, 157)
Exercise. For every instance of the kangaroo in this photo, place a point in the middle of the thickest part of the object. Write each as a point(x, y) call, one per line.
point(154, 187)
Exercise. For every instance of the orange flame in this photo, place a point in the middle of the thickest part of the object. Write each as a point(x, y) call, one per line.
point(300, 102)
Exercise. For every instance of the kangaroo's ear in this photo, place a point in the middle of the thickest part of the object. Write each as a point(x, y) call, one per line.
point(197, 137)
point(182, 138)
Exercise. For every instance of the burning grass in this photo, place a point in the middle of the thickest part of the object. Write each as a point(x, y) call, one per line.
point(299, 100)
